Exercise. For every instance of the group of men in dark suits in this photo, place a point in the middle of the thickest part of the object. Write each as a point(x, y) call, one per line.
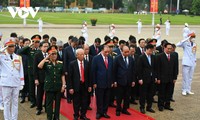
point(121, 72)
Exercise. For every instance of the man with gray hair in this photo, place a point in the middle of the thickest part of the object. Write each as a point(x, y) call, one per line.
point(60, 50)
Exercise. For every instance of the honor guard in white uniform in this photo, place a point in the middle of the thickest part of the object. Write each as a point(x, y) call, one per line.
point(12, 79)
point(1, 96)
point(40, 24)
point(111, 31)
point(139, 22)
point(186, 31)
point(188, 62)
point(167, 27)
point(157, 35)
point(84, 31)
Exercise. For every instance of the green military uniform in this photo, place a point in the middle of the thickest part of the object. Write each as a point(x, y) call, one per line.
point(52, 87)
point(30, 54)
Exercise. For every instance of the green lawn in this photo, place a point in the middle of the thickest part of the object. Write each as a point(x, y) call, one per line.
point(103, 18)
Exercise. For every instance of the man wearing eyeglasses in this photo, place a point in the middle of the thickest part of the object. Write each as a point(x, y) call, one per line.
point(30, 51)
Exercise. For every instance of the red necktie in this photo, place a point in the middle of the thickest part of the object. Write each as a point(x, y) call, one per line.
point(142, 50)
point(82, 72)
point(168, 57)
point(97, 50)
point(106, 62)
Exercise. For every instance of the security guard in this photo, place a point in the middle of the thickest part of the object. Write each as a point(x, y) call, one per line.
point(188, 62)
point(54, 82)
point(12, 79)
point(30, 51)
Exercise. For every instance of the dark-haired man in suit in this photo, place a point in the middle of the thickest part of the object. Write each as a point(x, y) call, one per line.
point(39, 75)
point(95, 48)
point(166, 77)
point(141, 49)
point(147, 78)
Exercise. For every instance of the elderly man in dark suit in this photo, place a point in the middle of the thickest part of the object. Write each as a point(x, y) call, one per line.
point(147, 78)
point(124, 77)
point(102, 68)
point(166, 75)
point(79, 84)
point(39, 75)
point(69, 55)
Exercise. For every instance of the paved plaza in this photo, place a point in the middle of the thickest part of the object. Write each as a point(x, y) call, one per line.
point(185, 107)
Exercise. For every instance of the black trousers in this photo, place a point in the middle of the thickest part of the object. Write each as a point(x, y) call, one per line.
point(50, 97)
point(80, 101)
point(25, 90)
point(112, 95)
point(173, 86)
point(146, 94)
point(164, 94)
point(135, 92)
point(123, 93)
point(32, 89)
point(102, 99)
point(40, 94)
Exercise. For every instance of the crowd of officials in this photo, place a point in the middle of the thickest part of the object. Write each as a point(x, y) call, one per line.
point(110, 69)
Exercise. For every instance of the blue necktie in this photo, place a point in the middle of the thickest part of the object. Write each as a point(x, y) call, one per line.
point(149, 59)
point(126, 62)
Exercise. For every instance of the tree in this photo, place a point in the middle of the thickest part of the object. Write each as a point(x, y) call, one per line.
point(186, 4)
point(196, 7)
point(68, 2)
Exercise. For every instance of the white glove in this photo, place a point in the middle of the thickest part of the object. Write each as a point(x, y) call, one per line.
point(3, 49)
point(21, 87)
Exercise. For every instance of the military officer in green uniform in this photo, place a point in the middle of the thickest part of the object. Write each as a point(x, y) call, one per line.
point(54, 83)
point(30, 51)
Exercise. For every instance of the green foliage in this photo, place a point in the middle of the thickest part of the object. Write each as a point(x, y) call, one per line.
point(196, 7)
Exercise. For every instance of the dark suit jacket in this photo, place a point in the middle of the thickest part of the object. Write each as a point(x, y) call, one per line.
point(60, 58)
point(68, 57)
point(66, 45)
point(166, 70)
point(117, 50)
point(74, 76)
point(38, 73)
point(122, 75)
point(93, 50)
point(138, 51)
point(160, 49)
point(177, 61)
point(145, 70)
point(100, 75)
point(135, 64)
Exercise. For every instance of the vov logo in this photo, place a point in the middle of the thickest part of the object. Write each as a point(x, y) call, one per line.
point(23, 12)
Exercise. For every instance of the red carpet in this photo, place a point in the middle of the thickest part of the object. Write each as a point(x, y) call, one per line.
point(67, 111)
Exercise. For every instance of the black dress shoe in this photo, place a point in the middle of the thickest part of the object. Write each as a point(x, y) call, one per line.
point(32, 105)
point(172, 100)
point(160, 108)
point(22, 100)
point(126, 112)
point(150, 110)
point(112, 105)
point(98, 116)
point(75, 118)
point(84, 118)
point(117, 113)
point(169, 108)
point(38, 112)
point(106, 115)
point(142, 110)
point(89, 108)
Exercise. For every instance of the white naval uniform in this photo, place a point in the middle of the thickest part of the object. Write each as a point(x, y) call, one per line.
point(112, 32)
point(1, 96)
point(157, 36)
point(186, 32)
point(167, 27)
point(12, 77)
point(139, 26)
point(40, 24)
point(188, 63)
point(84, 31)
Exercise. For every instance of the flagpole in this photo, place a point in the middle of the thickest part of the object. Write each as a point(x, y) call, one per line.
point(24, 21)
